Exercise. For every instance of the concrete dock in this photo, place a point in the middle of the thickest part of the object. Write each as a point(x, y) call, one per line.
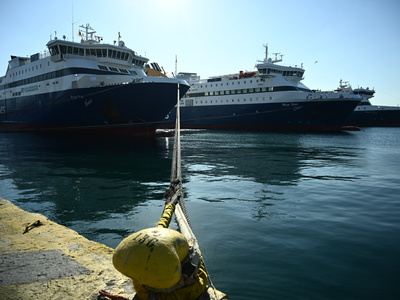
point(50, 261)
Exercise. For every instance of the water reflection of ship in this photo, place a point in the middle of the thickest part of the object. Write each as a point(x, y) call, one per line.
point(72, 179)
point(257, 167)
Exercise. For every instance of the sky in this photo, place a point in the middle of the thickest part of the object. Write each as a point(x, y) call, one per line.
point(355, 40)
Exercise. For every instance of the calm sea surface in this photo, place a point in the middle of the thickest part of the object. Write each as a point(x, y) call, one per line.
point(277, 215)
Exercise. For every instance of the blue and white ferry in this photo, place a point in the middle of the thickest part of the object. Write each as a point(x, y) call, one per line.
point(85, 86)
point(270, 98)
point(368, 115)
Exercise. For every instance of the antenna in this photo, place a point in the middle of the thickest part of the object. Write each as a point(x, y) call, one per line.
point(72, 20)
point(266, 52)
point(176, 64)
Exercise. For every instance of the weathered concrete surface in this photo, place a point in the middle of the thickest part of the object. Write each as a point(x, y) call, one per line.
point(74, 268)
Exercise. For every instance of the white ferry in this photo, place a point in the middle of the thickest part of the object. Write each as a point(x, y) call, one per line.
point(86, 86)
point(368, 115)
point(271, 98)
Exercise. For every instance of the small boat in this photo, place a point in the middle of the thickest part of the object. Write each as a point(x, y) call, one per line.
point(368, 115)
point(85, 86)
point(270, 98)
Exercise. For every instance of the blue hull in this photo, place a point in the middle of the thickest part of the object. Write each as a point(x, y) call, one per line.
point(307, 116)
point(127, 108)
point(381, 118)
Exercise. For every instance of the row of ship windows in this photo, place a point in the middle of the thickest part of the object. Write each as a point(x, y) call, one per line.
point(30, 89)
point(227, 83)
point(222, 101)
point(30, 69)
point(125, 71)
point(56, 74)
point(95, 52)
point(39, 66)
point(246, 91)
point(284, 73)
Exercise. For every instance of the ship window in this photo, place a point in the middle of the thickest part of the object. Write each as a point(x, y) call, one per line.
point(103, 67)
point(62, 49)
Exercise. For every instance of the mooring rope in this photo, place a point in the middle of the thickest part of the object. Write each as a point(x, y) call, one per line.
point(176, 188)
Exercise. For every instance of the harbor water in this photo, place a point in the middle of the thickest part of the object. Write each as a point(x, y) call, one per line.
point(277, 215)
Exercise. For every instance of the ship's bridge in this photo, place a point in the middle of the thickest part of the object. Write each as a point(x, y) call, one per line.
point(60, 50)
point(92, 48)
point(274, 70)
